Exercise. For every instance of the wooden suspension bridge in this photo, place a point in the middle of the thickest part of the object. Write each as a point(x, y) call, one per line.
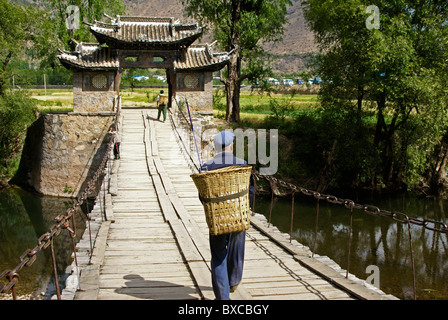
point(154, 244)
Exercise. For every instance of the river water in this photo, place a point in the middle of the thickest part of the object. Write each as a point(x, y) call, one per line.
point(24, 217)
point(376, 241)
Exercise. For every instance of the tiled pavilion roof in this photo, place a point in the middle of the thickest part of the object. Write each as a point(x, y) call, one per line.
point(145, 33)
point(202, 57)
point(90, 56)
point(93, 56)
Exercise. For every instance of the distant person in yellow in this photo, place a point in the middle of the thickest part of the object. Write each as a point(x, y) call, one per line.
point(162, 102)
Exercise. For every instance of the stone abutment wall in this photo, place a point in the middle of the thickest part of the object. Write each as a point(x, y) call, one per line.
point(62, 151)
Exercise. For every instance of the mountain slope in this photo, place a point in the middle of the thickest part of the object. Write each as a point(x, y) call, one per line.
point(297, 39)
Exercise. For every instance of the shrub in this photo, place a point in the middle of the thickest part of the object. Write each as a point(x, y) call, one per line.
point(17, 112)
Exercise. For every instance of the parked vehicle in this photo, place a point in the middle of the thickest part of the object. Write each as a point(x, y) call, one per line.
point(317, 80)
point(299, 81)
point(273, 81)
point(160, 78)
point(141, 78)
point(287, 82)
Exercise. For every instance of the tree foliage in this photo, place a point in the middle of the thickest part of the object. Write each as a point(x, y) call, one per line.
point(17, 112)
point(89, 11)
point(29, 37)
point(241, 27)
point(396, 73)
point(26, 38)
point(25, 34)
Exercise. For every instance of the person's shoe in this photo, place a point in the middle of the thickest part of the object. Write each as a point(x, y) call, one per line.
point(233, 288)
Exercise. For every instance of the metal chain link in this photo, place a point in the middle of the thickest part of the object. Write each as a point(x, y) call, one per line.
point(399, 217)
point(430, 224)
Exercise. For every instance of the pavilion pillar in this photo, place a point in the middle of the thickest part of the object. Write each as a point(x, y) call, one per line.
point(171, 80)
point(117, 81)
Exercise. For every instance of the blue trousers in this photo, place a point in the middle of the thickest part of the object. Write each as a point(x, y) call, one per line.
point(227, 262)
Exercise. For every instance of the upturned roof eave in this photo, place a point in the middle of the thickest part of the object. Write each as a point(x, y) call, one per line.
point(210, 67)
point(74, 65)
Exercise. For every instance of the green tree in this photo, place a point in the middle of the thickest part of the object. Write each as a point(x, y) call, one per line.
point(398, 71)
point(25, 34)
point(26, 39)
point(17, 112)
point(241, 27)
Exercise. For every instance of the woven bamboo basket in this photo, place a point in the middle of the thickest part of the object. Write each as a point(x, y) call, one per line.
point(224, 194)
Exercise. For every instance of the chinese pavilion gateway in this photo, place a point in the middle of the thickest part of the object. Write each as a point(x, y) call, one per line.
point(63, 150)
point(142, 42)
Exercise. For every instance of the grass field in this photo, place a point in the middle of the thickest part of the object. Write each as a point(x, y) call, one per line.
point(258, 110)
point(254, 106)
point(53, 100)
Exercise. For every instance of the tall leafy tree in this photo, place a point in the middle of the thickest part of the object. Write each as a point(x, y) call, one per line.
point(25, 34)
point(241, 27)
point(397, 69)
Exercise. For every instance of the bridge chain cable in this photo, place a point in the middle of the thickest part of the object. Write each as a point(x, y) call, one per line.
point(29, 256)
point(399, 217)
point(430, 224)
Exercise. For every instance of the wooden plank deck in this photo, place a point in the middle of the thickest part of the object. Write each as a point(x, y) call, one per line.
point(157, 247)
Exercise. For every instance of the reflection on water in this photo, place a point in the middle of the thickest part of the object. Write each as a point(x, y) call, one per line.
point(376, 240)
point(24, 217)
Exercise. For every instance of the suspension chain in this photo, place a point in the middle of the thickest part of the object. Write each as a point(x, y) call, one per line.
point(62, 222)
point(430, 224)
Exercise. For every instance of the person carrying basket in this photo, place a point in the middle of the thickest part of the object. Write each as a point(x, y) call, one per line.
point(227, 250)
point(162, 102)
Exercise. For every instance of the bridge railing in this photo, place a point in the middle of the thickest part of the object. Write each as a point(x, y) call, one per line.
point(63, 222)
point(186, 135)
point(399, 217)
